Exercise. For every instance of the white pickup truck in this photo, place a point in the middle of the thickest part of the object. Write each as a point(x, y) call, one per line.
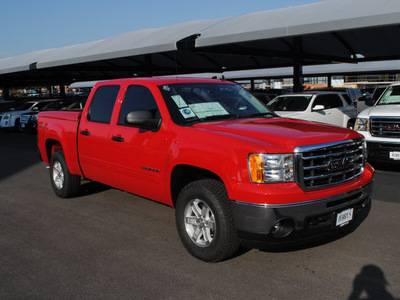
point(380, 125)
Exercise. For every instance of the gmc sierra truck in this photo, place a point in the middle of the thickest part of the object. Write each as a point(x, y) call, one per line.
point(380, 125)
point(236, 173)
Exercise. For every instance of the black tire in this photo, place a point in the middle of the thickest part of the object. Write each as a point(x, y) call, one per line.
point(17, 125)
point(64, 183)
point(206, 204)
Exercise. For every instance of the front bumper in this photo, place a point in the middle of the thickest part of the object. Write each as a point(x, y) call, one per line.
point(6, 124)
point(310, 219)
point(380, 151)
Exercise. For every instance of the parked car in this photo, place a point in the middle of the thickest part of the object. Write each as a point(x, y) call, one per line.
point(5, 106)
point(326, 107)
point(28, 121)
point(11, 119)
point(380, 125)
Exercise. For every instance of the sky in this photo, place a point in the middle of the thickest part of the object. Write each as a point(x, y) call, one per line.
point(31, 25)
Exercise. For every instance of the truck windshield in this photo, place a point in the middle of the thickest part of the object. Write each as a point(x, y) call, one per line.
point(199, 102)
point(390, 96)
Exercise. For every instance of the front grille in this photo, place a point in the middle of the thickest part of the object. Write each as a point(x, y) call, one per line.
point(324, 165)
point(385, 127)
point(25, 119)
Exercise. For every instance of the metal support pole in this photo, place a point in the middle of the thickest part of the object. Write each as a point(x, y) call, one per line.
point(62, 91)
point(297, 65)
point(252, 85)
point(6, 93)
point(149, 65)
point(329, 81)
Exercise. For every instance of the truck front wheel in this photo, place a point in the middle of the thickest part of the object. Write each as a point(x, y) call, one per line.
point(204, 221)
point(64, 183)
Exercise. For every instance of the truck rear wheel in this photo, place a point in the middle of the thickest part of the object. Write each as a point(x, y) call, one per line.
point(204, 221)
point(64, 183)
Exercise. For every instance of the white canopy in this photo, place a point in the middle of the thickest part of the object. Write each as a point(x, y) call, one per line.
point(321, 33)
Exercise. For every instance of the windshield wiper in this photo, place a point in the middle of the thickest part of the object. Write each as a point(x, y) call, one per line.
point(267, 114)
point(229, 117)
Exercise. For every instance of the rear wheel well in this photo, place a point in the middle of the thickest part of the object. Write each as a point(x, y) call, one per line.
point(182, 175)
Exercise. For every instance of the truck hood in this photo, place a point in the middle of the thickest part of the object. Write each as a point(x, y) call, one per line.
point(279, 135)
point(390, 110)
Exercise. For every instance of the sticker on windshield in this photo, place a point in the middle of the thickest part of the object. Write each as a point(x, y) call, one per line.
point(179, 101)
point(187, 113)
point(204, 110)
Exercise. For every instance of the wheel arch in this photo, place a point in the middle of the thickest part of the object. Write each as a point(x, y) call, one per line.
point(182, 175)
point(51, 147)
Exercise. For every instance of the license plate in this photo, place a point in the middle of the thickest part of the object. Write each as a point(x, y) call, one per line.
point(394, 155)
point(344, 217)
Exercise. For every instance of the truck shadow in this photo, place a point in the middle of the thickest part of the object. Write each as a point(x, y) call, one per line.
point(89, 187)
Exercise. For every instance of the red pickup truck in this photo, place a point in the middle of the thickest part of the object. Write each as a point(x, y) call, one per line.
point(236, 173)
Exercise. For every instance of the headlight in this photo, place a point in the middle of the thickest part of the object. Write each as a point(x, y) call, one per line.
point(271, 168)
point(6, 117)
point(34, 118)
point(362, 124)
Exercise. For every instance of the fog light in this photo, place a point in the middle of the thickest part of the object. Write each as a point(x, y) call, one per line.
point(282, 228)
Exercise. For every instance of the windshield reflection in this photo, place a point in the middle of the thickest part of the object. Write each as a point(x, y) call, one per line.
point(190, 103)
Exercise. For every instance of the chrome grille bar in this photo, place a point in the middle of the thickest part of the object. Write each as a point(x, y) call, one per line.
point(385, 127)
point(324, 165)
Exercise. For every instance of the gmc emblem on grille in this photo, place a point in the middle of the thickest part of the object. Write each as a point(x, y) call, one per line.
point(393, 127)
point(338, 164)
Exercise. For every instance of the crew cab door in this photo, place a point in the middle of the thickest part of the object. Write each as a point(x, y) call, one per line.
point(332, 112)
point(138, 155)
point(94, 134)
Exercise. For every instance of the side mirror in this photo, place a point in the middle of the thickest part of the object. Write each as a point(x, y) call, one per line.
point(35, 109)
point(142, 119)
point(318, 107)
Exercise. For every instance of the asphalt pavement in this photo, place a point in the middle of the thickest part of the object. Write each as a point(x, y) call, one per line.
point(109, 244)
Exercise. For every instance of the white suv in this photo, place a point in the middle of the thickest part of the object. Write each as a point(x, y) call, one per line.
point(326, 107)
point(380, 125)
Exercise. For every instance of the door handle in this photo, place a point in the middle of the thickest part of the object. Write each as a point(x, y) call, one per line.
point(84, 132)
point(117, 139)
